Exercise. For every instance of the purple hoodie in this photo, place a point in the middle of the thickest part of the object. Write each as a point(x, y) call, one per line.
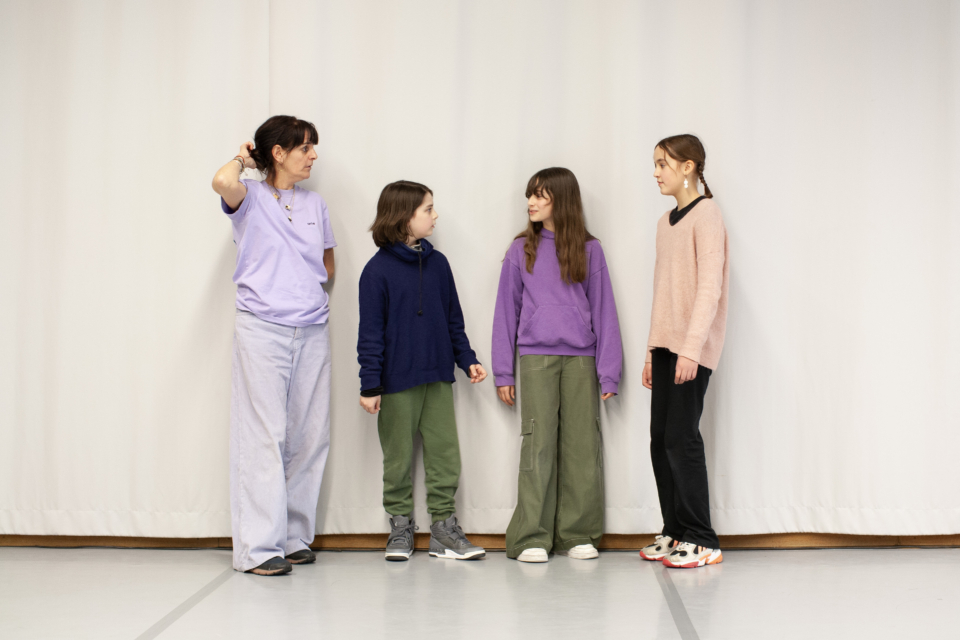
point(554, 318)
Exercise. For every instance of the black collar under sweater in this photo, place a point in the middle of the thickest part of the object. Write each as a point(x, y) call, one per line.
point(677, 216)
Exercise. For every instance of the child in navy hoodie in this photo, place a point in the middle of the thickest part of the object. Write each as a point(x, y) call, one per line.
point(411, 335)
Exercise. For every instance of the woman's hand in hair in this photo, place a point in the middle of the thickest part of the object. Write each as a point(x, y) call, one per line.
point(686, 370)
point(227, 183)
point(648, 375)
point(245, 150)
point(370, 405)
point(477, 373)
point(507, 393)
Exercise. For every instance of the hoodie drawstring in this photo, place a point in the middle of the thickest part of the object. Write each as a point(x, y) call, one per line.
point(420, 255)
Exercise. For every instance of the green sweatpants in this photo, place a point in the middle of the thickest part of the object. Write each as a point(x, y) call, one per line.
point(560, 492)
point(427, 408)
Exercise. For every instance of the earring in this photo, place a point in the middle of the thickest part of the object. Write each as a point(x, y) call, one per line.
point(686, 185)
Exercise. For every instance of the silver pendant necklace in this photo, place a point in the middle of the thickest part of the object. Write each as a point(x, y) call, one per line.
point(288, 207)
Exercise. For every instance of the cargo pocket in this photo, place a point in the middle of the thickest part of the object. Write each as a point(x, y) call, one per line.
point(533, 363)
point(526, 445)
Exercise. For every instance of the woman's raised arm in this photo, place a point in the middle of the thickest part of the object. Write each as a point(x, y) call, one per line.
point(227, 183)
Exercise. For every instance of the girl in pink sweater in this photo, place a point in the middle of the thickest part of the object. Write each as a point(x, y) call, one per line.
point(690, 285)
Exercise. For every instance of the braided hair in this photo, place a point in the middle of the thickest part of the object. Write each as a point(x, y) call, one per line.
point(687, 146)
point(703, 181)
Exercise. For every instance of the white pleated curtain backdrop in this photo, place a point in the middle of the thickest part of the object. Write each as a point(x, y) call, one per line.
point(832, 131)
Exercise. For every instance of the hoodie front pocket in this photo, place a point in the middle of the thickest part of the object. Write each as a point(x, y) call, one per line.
point(526, 445)
point(553, 326)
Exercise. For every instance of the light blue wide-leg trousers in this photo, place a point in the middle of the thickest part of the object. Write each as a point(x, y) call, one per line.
point(279, 436)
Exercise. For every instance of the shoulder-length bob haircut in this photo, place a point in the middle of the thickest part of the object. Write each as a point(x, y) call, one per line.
point(398, 202)
point(288, 132)
point(571, 235)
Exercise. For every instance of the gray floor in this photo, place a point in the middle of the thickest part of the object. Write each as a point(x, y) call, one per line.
point(134, 594)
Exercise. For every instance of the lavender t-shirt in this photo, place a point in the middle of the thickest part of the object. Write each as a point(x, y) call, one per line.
point(280, 269)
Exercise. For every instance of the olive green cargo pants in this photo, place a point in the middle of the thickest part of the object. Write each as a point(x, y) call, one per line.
point(560, 488)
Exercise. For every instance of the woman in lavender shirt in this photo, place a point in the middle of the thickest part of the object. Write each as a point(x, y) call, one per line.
point(279, 417)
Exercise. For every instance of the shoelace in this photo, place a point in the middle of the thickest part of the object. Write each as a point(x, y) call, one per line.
point(456, 532)
point(402, 533)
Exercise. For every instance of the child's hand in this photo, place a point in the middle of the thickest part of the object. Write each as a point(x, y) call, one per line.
point(607, 396)
point(477, 374)
point(371, 404)
point(648, 375)
point(508, 394)
point(686, 370)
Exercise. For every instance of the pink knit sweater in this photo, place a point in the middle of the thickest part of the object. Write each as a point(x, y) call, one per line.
point(690, 285)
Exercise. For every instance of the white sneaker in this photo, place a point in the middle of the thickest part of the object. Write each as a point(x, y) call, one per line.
point(533, 555)
point(659, 549)
point(686, 556)
point(580, 552)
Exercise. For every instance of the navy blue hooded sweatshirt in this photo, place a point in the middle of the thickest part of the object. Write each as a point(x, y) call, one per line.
point(411, 324)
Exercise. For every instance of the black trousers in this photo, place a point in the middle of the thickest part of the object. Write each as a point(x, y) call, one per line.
point(676, 449)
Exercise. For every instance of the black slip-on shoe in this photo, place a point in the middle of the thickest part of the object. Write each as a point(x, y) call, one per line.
point(304, 556)
point(275, 566)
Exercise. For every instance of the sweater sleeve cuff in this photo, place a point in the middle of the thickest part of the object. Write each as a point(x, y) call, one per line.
point(503, 381)
point(466, 363)
point(609, 387)
point(691, 353)
point(371, 393)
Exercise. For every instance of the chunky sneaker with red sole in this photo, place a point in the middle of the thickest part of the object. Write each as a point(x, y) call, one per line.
point(659, 549)
point(686, 556)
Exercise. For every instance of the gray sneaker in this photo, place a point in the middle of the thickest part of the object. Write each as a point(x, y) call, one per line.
point(400, 542)
point(447, 541)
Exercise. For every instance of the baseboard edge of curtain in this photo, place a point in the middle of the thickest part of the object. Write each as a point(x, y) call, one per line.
point(495, 542)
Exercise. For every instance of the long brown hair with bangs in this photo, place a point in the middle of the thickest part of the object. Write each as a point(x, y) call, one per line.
point(571, 235)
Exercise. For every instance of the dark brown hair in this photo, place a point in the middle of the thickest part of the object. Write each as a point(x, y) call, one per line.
point(571, 235)
point(687, 146)
point(398, 202)
point(286, 131)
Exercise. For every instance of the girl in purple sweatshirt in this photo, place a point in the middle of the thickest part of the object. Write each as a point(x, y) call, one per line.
point(555, 306)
